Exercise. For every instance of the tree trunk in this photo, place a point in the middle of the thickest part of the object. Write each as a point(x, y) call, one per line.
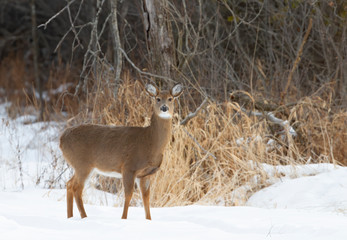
point(91, 56)
point(38, 82)
point(159, 37)
point(117, 57)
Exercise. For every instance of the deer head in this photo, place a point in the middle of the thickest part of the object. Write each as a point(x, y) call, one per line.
point(164, 100)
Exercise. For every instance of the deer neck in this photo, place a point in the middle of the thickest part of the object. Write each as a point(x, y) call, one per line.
point(160, 131)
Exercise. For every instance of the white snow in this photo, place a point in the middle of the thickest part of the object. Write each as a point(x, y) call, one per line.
point(302, 202)
point(31, 214)
point(323, 192)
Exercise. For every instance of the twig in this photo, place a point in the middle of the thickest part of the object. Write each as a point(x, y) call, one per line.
point(72, 28)
point(193, 114)
point(142, 72)
point(198, 144)
point(61, 174)
point(92, 53)
point(260, 105)
point(297, 60)
point(189, 117)
point(56, 15)
point(20, 166)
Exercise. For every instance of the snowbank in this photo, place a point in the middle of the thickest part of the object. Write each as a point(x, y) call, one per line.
point(326, 191)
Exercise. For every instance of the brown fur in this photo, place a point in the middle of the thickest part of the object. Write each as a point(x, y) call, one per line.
point(134, 152)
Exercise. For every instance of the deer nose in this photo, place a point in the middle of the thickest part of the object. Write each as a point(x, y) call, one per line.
point(164, 108)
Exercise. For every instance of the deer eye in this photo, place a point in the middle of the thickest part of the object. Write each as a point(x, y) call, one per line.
point(170, 99)
point(158, 99)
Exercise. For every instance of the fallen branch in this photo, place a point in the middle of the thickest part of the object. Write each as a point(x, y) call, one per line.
point(266, 110)
point(271, 117)
point(260, 105)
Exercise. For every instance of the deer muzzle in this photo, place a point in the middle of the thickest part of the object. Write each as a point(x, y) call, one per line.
point(164, 108)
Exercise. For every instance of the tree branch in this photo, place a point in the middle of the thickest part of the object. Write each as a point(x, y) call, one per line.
point(44, 25)
point(195, 113)
point(142, 72)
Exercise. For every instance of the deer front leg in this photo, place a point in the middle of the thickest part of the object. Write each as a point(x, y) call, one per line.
point(128, 183)
point(145, 190)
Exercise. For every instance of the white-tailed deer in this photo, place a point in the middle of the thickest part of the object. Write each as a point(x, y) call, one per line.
point(130, 152)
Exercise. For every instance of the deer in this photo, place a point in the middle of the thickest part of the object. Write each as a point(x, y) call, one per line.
point(130, 153)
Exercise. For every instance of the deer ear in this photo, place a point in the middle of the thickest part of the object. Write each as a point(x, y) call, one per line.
point(177, 90)
point(151, 90)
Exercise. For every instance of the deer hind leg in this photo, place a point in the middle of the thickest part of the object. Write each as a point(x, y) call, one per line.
point(145, 190)
point(74, 189)
point(79, 182)
point(128, 183)
point(79, 201)
point(69, 197)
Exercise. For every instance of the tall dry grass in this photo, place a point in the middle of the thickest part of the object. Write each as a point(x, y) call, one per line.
point(222, 149)
point(17, 87)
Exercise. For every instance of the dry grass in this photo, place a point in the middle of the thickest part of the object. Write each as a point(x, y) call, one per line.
point(322, 131)
point(217, 151)
point(14, 76)
point(17, 87)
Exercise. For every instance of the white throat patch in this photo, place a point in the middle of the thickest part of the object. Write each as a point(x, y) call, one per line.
point(165, 115)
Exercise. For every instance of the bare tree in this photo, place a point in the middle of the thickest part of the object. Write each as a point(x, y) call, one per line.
point(218, 46)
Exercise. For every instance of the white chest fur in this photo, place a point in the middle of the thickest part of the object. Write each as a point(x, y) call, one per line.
point(107, 174)
point(112, 174)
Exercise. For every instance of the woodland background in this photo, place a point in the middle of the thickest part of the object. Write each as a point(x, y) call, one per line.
point(252, 71)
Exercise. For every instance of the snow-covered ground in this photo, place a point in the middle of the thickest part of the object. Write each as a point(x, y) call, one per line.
point(308, 202)
point(32, 214)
